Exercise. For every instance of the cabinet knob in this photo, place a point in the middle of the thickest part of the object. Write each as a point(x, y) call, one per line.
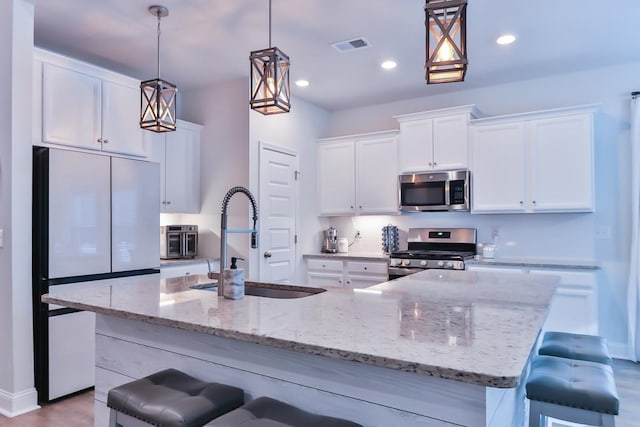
point(435, 163)
point(365, 268)
point(430, 164)
point(534, 202)
point(164, 202)
point(348, 282)
point(360, 206)
point(168, 202)
point(267, 254)
point(106, 141)
point(323, 266)
point(351, 206)
point(100, 140)
point(340, 281)
point(521, 202)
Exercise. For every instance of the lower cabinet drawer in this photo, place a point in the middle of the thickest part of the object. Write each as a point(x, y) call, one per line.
point(324, 279)
point(324, 265)
point(367, 267)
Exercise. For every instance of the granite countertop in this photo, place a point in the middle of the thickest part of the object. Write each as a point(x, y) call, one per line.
point(473, 327)
point(535, 263)
point(366, 256)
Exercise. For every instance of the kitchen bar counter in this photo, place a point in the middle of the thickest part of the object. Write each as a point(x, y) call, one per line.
point(451, 347)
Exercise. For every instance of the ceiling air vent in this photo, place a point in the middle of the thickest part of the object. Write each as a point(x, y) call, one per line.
point(347, 45)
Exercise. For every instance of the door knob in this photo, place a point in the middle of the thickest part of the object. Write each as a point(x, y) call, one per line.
point(267, 254)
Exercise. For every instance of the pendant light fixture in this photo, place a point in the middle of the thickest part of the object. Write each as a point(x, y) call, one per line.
point(270, 91)
point(446, 22)
point(157, 96)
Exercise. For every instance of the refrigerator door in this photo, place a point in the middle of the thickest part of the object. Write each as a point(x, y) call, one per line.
point(135, 218)
point(79, 214)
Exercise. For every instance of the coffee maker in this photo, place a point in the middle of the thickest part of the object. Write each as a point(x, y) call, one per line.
point(330, 241)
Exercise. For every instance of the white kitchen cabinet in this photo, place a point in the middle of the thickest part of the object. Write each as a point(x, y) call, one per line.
point(358, 175)
point(534, 162)
point(435, 140)
point(86, 107)
point(178, 153)
point(187, 268)
point(348, 273)
point(574, 307)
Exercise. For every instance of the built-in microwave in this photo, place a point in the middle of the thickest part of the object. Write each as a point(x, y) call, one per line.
point(434, 191)
point(178, 241)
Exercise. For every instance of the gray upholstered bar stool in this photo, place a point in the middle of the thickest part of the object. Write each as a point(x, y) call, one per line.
point(170, 398)
point(572, 390)
point(575, 346)
point(267, 412)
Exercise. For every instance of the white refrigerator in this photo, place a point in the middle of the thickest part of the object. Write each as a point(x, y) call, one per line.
point(94, 217)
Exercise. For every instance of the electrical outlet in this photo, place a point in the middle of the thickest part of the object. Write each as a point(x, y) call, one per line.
point(603, 232)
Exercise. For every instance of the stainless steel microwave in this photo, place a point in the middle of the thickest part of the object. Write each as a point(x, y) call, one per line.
point(434, 191)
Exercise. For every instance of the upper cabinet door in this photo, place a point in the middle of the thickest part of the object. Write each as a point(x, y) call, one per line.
point(498, 179)
point(71, 108)
point(562, 163)
point(182, 169)
point(450, 142)
point(336, 178)
point(416, 146)
point(121, 132)
point(377, 175)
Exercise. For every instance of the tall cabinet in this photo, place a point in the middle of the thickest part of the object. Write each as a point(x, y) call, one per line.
point(358, 174)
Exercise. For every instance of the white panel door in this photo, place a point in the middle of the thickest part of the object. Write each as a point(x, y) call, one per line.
point(71, 104)
point(377, 175)
point(562, 164)
point(498, 178)
point(72, 356)
point(277, 215)
point(79, 214)
point(121, 131)
point(451, 142)
point(135, 214)
point(336, 178)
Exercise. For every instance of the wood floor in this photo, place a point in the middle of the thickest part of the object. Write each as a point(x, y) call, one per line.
point(77, 411)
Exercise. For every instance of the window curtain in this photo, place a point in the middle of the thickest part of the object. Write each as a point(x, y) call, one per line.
point(633, 292)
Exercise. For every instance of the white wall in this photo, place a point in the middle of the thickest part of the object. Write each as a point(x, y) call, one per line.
point(566, 236)
point(295, 131)
point(17, 394)
point(224, 153)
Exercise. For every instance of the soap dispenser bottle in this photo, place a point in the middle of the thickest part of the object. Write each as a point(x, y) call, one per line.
point(234, 280)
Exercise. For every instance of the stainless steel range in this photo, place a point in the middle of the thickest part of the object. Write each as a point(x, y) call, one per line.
point(429, 248)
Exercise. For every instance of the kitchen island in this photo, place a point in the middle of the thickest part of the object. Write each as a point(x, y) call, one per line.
point(437, 348)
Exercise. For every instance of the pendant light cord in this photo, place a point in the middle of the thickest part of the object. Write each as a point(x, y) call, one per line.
point(158, 50)
point(269, 24)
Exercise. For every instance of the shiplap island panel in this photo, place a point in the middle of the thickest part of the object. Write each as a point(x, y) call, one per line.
point(436, 348)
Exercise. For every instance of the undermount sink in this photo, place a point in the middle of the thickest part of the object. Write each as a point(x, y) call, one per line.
point(268, 290)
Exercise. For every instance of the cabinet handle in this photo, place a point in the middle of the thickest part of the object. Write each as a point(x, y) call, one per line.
point(106, 141)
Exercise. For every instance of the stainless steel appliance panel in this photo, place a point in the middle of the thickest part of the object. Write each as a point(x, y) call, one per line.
point(434, 191)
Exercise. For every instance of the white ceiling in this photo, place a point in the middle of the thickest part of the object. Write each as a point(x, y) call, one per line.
point(208, 41)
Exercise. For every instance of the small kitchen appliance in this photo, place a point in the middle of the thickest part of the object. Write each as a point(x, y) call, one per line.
point(178, 241)
point(433, 248)
point(435, 191)
point(330, 241)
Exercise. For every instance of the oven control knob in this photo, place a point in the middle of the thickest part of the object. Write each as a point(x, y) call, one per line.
point(406, 262)
point(423, 263)
point(449, 264)
point(440, 263)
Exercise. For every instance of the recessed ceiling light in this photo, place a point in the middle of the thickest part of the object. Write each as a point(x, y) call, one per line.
point(506, 39)
point(302, 83)
point(389, 65)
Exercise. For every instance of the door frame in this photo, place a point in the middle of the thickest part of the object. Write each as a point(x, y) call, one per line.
point(263, 146)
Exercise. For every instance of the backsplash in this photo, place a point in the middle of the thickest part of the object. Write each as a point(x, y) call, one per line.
point(560, 236)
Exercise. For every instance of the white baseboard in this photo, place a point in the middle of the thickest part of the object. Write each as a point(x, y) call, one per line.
point(14, 404)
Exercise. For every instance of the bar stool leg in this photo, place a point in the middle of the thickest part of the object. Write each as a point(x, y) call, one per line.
point(534, 413)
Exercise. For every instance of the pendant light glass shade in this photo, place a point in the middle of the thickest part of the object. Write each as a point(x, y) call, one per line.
point(270, 89)
point(446, 40)
point(157, 96)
